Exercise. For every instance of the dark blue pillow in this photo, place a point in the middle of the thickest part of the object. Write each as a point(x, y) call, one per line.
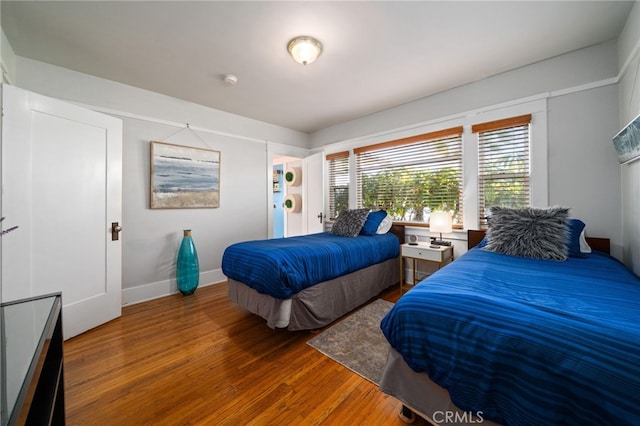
point(574, 229)
point(372, 223)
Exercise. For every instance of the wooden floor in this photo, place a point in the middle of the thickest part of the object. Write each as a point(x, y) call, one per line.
point(202, 360)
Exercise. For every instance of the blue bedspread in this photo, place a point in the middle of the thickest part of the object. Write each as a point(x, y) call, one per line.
point(282, 267)
point(525, 341)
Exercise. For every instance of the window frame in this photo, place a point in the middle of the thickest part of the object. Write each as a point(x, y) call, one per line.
point(398, 149)
point(539, 190)
point(502, 134)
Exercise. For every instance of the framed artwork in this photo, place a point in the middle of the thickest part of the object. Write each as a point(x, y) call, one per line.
point(627, 142)
point(183, 177)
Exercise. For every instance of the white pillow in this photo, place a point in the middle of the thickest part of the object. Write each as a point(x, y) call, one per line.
point(584, 246)
point(385, 225)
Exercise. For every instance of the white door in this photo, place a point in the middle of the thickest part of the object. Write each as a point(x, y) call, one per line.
point(62, 185)
point(313, 196)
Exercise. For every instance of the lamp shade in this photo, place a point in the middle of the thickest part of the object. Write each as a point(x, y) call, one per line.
point(440, 222)
point(304, 49)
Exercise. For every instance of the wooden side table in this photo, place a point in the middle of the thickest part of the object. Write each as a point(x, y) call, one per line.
point(440, 255)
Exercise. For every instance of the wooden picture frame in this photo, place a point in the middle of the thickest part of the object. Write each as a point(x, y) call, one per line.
point(184, 177)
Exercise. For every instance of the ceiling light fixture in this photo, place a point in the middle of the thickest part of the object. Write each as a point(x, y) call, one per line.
point(304, 49)
point(230, 79)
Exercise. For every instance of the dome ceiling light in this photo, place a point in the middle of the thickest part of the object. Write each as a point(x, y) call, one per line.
point(230, 79)
point(304, 49)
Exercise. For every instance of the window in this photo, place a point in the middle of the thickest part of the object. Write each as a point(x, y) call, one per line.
point(503, 164)
point(338, 183)
point(411, 177)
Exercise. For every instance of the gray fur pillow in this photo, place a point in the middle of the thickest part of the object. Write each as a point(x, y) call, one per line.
point(350, 222)
point(528, 232)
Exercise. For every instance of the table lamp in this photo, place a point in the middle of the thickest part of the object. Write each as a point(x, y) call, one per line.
point(440, 221)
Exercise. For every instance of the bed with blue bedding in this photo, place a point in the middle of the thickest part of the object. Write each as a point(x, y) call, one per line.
point(305, 282)
point(281, 267)
point(514, 340)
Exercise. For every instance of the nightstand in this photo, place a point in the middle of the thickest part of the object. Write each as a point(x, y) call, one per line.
point(440, 255)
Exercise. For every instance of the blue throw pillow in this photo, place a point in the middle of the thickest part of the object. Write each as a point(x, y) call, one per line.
point(574, 229)
point(374, 219)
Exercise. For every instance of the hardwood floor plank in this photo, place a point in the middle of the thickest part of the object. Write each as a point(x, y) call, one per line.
point(202, 360)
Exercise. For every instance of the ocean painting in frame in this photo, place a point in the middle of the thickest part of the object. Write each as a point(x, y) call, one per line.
point(627, 142)
point(183, 177)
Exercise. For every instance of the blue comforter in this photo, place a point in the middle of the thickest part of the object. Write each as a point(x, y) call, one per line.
point(526, 341)
point(282, 267)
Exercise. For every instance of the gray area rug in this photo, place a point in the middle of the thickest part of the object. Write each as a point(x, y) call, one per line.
point(357, 341)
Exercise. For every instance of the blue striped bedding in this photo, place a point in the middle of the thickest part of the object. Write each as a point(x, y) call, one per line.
point(526, 341)
point(282, 267)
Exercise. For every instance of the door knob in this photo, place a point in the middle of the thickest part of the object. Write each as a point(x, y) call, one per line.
point(320, 215)
point(115, 231)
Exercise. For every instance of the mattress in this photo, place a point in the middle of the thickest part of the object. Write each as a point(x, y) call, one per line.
point(512, 336)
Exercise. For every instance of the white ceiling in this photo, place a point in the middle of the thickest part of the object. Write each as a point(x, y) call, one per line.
point(377, 54)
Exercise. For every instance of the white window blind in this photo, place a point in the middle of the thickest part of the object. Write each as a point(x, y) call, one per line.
point(503, 164)
point(338, 183)
point(411, 177)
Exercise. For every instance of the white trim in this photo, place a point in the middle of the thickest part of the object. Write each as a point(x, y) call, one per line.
point(534, 105)
point(412, 129)
point(168, 122)
point(275, 148)
point(146, 292)
point(584, 87)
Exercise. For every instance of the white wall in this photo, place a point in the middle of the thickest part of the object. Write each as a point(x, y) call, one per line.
point(583, 169)
point(150, 238)
point(629, 93)
point(108, 95)
point(585, 66)
point(581, 110)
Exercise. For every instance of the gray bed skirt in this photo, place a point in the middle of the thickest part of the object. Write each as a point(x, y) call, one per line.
point(423, 396)
point(317, 306)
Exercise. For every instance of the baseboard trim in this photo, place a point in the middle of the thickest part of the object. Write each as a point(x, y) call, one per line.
point(146, 292)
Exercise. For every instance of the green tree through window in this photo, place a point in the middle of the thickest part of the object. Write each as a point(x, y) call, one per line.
point(503, 164)
point(412, 177)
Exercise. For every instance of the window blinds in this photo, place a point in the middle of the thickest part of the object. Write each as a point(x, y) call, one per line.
point(503, 164)
point(413, 176)
point(338, 182)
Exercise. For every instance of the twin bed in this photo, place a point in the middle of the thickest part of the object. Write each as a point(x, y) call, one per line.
point(306, 282)
point(495, 338)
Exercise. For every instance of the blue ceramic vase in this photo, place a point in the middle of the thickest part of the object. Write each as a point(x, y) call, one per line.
point(187, 269)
